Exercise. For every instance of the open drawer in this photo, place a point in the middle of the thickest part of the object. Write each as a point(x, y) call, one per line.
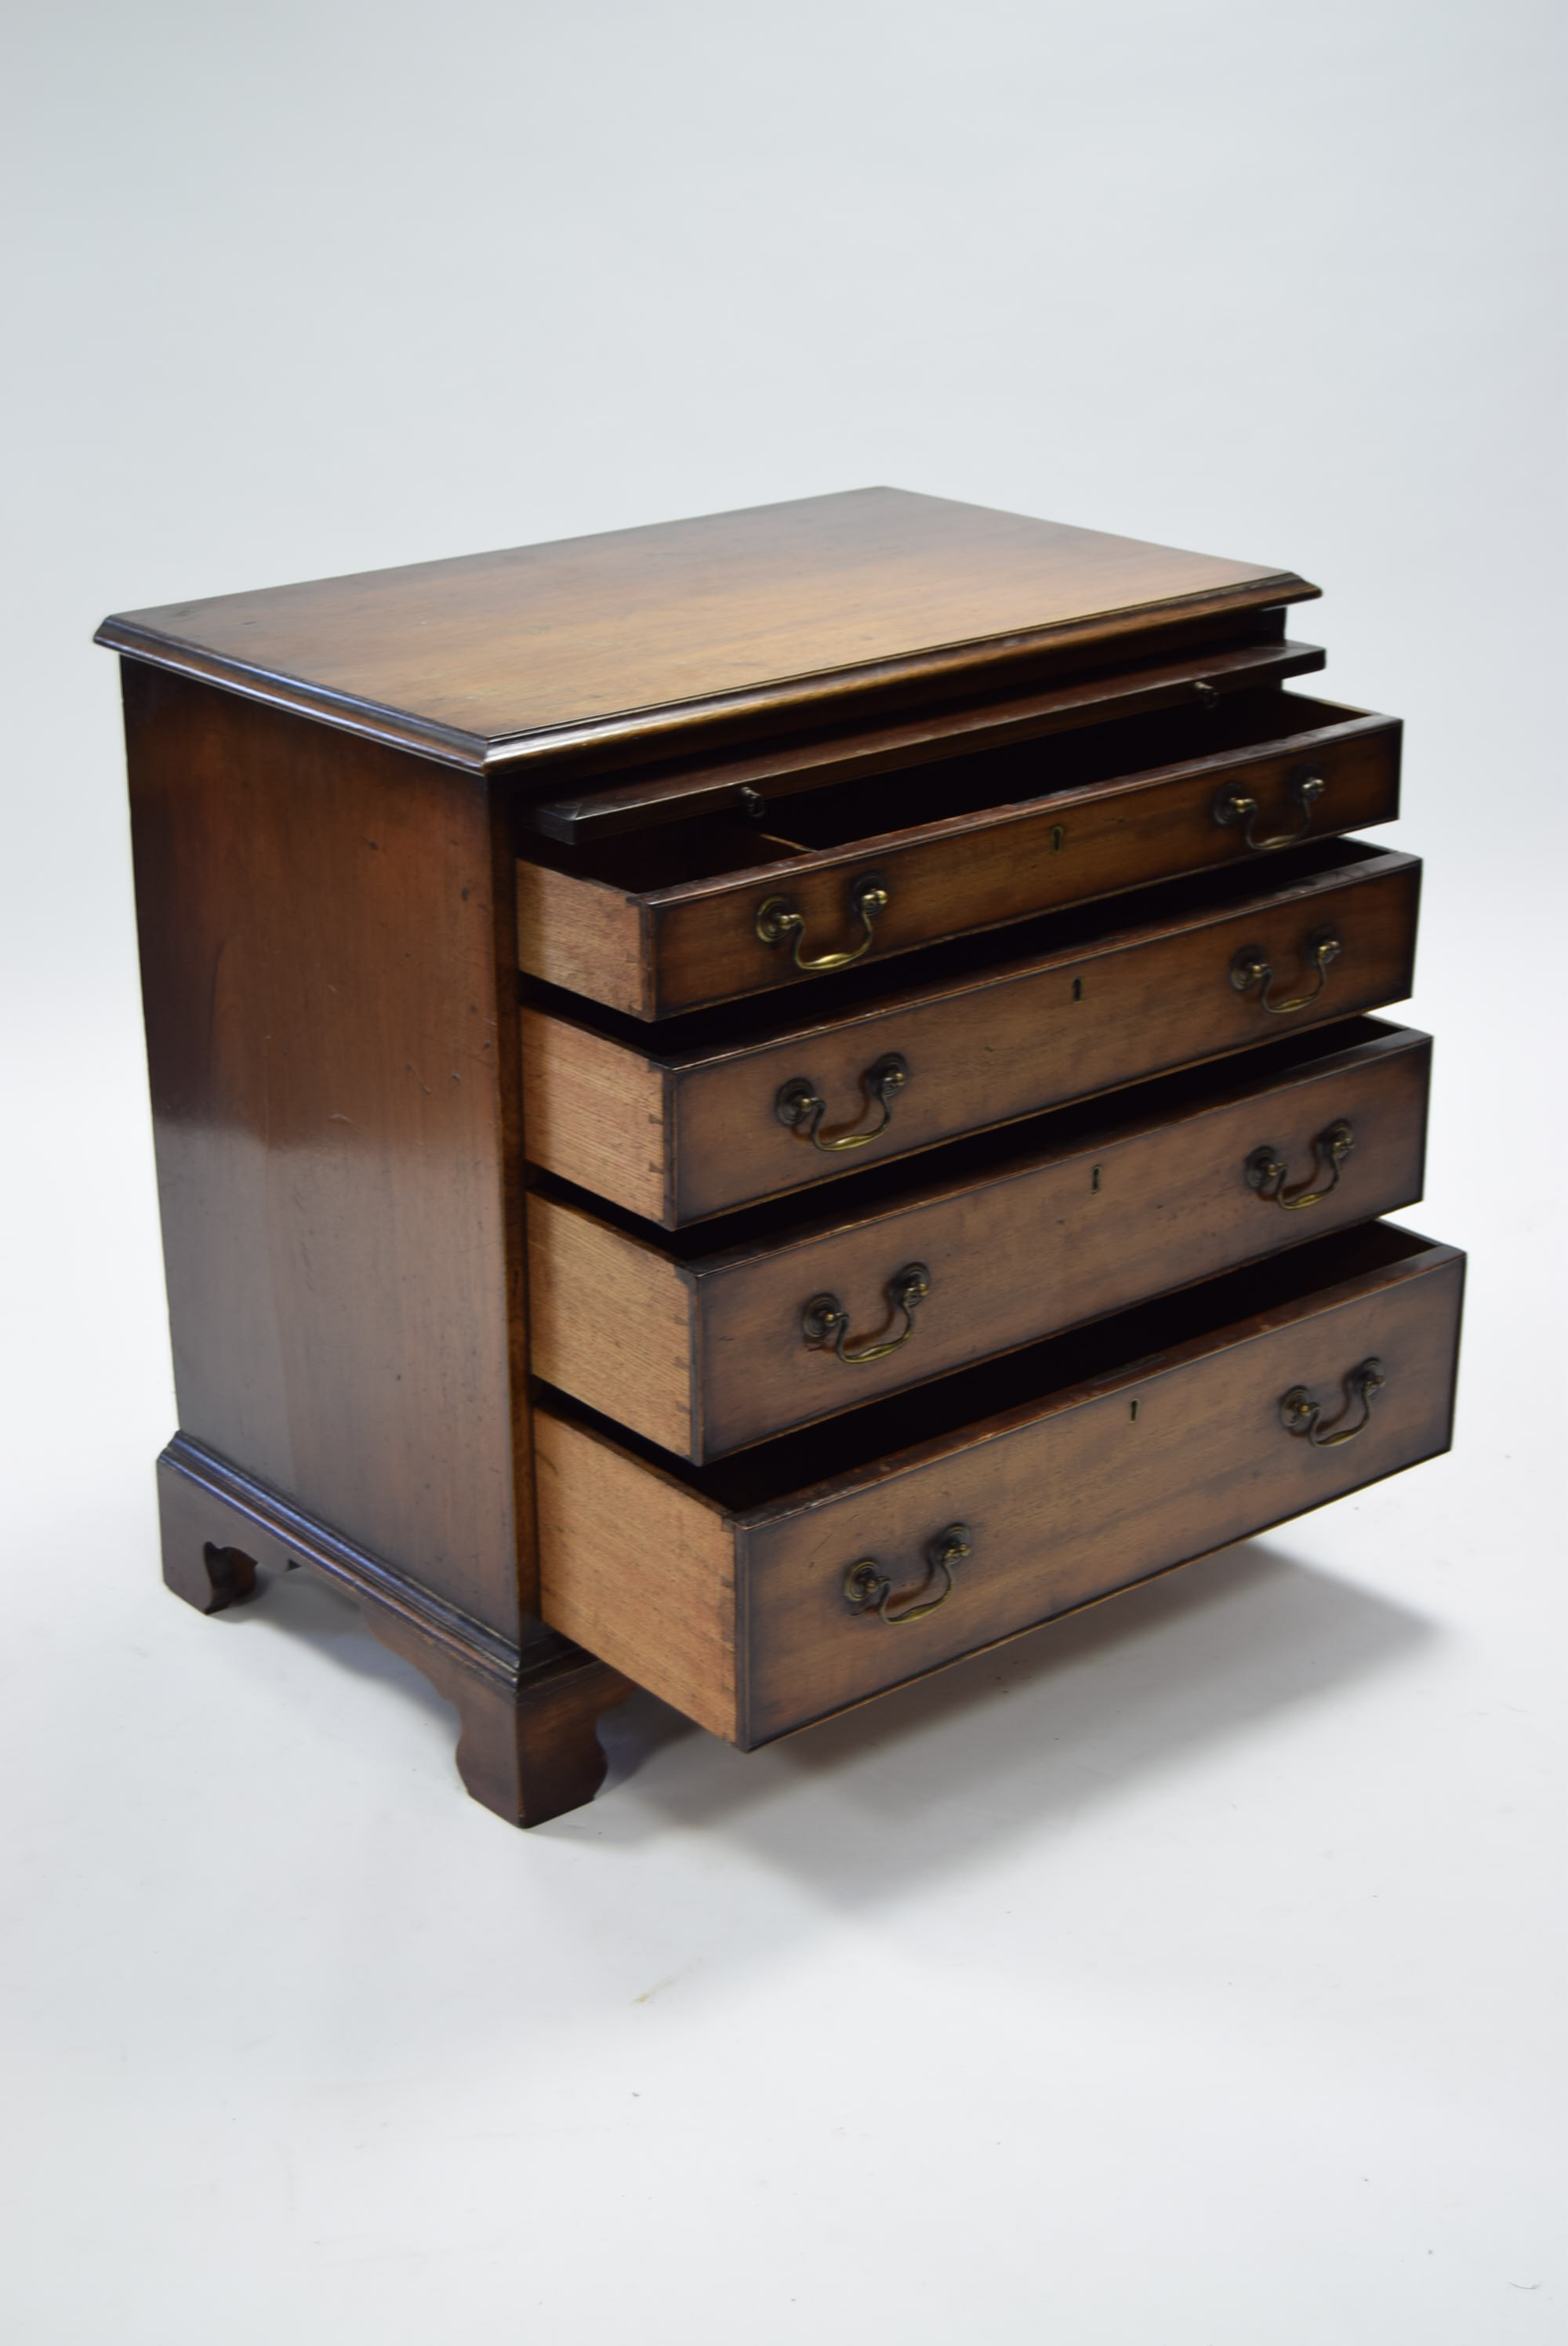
point(709, 1340)
point(743, 1104)
point(774, 1588)
point(657, 921)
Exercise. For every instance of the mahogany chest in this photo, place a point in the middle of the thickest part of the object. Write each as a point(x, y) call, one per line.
point(755, 1106)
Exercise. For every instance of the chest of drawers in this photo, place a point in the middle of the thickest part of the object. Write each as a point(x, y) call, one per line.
point(751, 1107)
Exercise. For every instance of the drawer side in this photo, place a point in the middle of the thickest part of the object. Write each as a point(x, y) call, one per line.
point(595, 1113)
point(610, 1318)
point(582, 935)
point(636, 1569)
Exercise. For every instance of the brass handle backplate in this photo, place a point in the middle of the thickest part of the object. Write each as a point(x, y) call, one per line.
point(1265, 1169)
point(1234, 805)
point(800, 1106)
point(1301, 1415)
point(778, 917)
point(868, 1589)
point(825, 1324)
point(1252, 971)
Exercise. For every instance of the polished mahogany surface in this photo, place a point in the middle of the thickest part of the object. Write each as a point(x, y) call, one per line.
point(506, 921)
point(597, 638)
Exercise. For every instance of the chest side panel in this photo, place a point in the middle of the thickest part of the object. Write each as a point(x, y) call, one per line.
point(326, 1042)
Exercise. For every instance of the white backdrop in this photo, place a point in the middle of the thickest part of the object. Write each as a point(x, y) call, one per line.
point(1190, 1973)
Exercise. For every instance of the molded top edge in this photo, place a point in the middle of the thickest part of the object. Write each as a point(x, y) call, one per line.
point(655, 634)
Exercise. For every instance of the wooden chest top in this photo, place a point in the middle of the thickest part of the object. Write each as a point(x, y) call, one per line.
point(637, 639)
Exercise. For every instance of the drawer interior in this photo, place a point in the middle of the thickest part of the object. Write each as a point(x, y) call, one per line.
point(1031, 771)
point(876, 806)
point(596, 787)
point(1136, 1340)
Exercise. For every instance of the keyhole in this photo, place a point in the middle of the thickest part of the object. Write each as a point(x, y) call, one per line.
point(1058, 833)
point(1094, 1178)
point(1132, 1412)
point(1077, 989)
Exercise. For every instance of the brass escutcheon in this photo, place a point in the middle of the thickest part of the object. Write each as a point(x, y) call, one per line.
point(800, 1106)
point(1234, 805)
point(825, 1324)
point(1265, 1169)
point(868, 1588)
point(1301, 1415)
point(778, 917)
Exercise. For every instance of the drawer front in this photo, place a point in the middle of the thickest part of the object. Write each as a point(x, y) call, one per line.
point(1071, 1239)
point(1103, 1490)
point(812, 912)
point(756, 1599)
point(1017, 860)
point(703, 1353)
point(1036, 1035)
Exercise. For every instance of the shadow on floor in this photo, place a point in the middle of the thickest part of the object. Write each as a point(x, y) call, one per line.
point(297, 1605)
point(1033, 1731)
point(1038, 1730)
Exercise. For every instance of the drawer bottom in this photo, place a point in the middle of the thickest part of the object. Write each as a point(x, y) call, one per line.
point(766, 1591)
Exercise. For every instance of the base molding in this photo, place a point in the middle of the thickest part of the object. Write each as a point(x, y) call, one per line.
point(528, 1746)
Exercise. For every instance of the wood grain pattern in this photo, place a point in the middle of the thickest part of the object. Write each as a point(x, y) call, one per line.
point(635, 1567)
point(610, 1320)
point(596, 1113)
point(976, 870)
point(1037, 1033)
point(1083, 1496)
point(1066, 1225)
point(582, 935)
point(985, 1044)
point(653, 950)
point(1099, 1464)
point(318, 947)
point(603, 639)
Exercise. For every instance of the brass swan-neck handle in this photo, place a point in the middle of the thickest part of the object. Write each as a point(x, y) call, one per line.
point(825, 1324)
point(1266, 1171)
point(1301, 1415)
point(1251, 971)
point(868, 1589)
point(780, 917)
point(1234, 806)
point(800, 1106)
